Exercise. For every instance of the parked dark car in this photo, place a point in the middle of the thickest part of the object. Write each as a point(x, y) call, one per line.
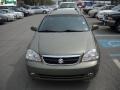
point(113, 20)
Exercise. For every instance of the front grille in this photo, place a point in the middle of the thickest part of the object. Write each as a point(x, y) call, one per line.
point(67, 77)
point(62, 60)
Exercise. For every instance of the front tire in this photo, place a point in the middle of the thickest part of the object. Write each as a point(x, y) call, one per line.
point(44, 12)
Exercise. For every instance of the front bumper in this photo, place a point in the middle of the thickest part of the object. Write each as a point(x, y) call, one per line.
point(11, 18)
point(77, 71)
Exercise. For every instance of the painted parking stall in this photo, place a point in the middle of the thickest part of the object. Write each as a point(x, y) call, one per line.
point(116, 59)
point(117, 62)
point(112, 44)
point(109, 43)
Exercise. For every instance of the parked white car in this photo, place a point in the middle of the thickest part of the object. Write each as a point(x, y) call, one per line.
point(101, 14)
point(68, 5)
point(28, 11)
point(10, 16)
point(46, 10)
point(17, 14)
point(20, 15)
point(35, 9)
point(31, 11)
point(93, 13)
point(38, 10)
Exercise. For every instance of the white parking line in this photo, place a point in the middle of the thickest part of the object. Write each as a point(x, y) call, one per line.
point(117, 62)
point(107, 35)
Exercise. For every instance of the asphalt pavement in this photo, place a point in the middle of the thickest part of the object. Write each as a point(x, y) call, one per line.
point(14, 39)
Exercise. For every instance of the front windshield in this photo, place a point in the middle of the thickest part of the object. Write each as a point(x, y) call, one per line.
point(67, 5)
point(116, 8)
point(62, 23)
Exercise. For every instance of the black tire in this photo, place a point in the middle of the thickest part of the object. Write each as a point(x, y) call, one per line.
point(112, 28)
point(95, 15)
point(44, 12)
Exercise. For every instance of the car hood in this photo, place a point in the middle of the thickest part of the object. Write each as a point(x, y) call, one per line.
point(64, 43)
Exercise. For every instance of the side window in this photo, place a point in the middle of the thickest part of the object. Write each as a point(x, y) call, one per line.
point(35, 8)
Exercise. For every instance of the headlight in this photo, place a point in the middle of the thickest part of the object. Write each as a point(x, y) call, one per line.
point(90, 55)
point(32, 55)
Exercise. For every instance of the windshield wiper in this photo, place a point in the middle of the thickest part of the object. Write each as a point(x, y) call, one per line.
point(47, 31)
point(73, 30)
point(69, 30)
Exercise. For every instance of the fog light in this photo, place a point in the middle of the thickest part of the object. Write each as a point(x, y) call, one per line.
point(90, 74)
point(32, 73)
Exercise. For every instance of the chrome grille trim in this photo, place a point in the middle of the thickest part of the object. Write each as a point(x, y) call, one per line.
point(65, 57)
point(61, 56)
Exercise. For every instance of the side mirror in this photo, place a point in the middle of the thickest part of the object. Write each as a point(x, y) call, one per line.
point(95, 27)
point(34, 28)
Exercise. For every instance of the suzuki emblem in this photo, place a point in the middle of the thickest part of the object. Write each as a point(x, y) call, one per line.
point(60, 61)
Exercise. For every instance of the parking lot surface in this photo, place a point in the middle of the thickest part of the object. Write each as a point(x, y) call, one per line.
point(14, 39)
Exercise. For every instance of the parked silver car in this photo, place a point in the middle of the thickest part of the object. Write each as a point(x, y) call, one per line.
point(102, 13)
point(39, 10)
point(93, 13)
point(18, 15)
point(10, 16)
